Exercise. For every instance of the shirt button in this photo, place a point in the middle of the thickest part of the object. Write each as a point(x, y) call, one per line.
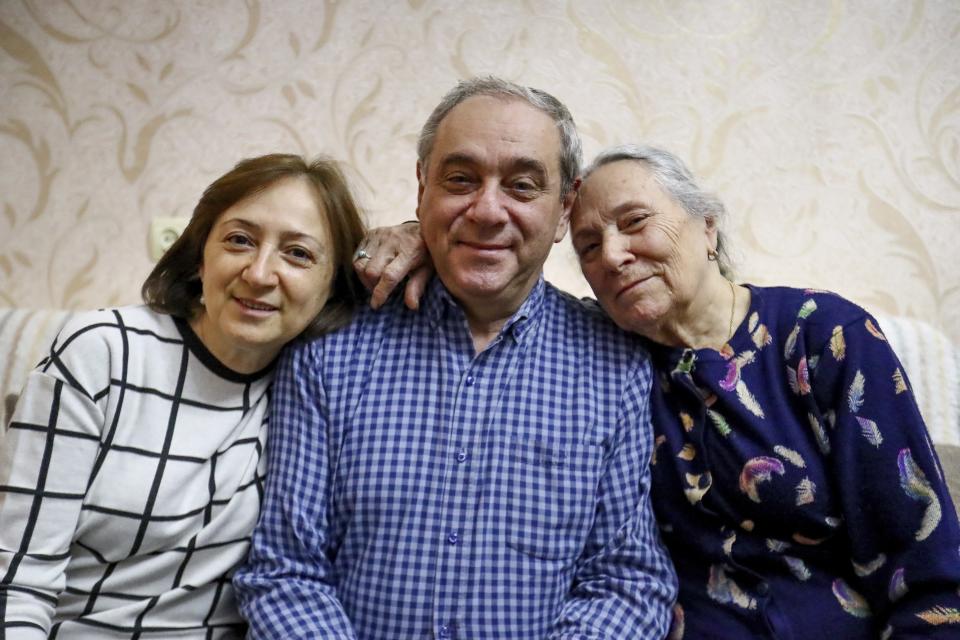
point(444, 632)
point(453, 538)
point(470, 380)
point(763, 588)
point(462, 455)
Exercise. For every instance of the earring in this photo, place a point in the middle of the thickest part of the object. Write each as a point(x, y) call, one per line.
point(203, 302)
point(711, 255)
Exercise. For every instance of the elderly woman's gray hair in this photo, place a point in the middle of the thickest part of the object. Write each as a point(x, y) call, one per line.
point(571, 156)
point(674, 178)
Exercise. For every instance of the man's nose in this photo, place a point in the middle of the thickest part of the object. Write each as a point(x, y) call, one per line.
point(488, 207)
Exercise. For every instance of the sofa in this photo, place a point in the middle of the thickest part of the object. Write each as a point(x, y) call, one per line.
point(930, 360)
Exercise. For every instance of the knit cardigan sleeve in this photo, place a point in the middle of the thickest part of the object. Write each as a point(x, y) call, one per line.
point(899, 516)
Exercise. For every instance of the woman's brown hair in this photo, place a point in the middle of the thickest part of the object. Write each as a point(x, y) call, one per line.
point(174, 284)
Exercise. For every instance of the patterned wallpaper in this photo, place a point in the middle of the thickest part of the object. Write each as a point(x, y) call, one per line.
point(830, 127)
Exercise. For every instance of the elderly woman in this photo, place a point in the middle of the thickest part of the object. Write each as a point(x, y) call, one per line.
point(131, 472)
point(793, 477)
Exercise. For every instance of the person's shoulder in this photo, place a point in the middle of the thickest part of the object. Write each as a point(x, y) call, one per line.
point(813, 315)
point(815, 306)
point(364, 325)
point(113, 322)
point(583, 319)
point(585, 311)
point(94, 346)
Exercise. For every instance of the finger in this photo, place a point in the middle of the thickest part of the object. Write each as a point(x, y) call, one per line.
point(389, 277)
point(391, 251)
point(369, 267)
point(360, 254)
point(360, 267)
point(416, 286)
point(375, 267)
point(366, 248)
point(369, 246)
point(360, 259)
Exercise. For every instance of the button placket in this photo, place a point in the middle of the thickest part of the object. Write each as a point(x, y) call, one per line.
point(466, 421)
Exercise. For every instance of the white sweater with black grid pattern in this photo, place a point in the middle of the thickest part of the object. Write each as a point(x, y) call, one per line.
point(130, 481)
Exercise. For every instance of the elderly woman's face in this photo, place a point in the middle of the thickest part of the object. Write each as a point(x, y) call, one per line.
point(267, 272)
point(644, 256)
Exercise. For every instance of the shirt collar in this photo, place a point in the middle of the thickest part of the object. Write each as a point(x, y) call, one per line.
point(439, 306)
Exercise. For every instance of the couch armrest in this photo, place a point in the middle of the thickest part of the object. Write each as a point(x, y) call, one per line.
point(25, 339)
point(932, 364)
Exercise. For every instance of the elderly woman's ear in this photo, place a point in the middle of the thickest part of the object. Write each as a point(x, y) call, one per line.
point(711, 230)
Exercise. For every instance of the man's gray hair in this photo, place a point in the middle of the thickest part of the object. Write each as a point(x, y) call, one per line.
point(571, 156)
point(675, 179)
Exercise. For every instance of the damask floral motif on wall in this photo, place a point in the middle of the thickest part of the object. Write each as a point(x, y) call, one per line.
point(831, 128)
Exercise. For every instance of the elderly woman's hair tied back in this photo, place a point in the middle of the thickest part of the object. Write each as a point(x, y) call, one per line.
point(674, 178)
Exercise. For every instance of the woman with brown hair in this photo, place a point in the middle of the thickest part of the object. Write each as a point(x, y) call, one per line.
point(132, 470)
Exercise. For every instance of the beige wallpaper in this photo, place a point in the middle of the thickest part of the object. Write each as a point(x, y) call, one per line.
point(830, 127)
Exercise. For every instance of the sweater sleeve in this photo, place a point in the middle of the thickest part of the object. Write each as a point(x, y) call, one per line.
point(902, 526)
point(47, 454)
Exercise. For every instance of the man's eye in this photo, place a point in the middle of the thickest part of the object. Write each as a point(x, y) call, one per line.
point(525, 189)
point(458, 179)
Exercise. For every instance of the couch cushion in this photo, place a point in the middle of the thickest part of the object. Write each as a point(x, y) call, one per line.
point(25, 338)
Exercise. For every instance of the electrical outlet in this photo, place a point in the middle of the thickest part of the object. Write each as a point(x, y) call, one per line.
point(164, 231)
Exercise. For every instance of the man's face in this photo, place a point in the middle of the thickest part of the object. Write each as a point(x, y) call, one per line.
point(489, 202)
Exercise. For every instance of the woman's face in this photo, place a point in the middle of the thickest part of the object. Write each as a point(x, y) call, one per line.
point(267, 271)
point(644, 256)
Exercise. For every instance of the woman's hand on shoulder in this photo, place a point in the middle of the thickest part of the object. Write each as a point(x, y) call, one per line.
point(386, 256)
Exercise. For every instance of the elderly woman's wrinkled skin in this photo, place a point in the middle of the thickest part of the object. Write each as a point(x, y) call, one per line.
point(646, 259)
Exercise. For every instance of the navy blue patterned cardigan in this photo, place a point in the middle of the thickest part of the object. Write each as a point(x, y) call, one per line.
point(796, 485)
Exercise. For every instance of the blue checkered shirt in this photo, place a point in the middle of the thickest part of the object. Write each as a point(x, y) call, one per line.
point(417, 489)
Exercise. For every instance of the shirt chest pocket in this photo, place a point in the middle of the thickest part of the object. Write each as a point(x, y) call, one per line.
point(550, 495)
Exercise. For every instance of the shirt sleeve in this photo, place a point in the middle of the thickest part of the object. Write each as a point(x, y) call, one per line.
point(47, 454)
point(902, 526)
point(287, 587)
point(625, 584)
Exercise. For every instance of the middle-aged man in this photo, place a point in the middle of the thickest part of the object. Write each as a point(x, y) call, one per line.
point(477, 469)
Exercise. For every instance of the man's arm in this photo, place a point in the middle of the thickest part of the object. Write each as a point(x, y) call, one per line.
point(625, 585)
point(287, 588)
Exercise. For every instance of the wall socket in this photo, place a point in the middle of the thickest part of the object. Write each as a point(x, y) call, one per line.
point(164, 231)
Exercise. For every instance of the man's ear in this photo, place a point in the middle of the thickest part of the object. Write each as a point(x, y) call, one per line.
point(421, 176)
point(567, 204)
